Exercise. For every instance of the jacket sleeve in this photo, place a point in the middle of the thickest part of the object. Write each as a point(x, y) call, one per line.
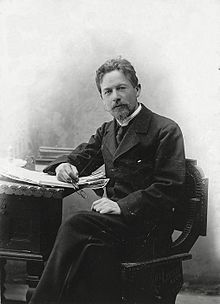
point(87, 157)
point(166, 190)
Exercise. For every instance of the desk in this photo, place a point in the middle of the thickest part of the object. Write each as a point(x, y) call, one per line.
point(30, 217)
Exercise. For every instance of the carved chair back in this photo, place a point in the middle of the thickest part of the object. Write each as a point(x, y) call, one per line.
point(192, 219)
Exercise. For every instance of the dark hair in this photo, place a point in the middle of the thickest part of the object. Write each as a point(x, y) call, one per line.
point(119, 64)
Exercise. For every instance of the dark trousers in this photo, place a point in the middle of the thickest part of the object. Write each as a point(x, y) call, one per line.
point(84, 265)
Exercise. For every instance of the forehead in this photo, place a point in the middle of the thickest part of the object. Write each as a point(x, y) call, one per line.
point(114, 78)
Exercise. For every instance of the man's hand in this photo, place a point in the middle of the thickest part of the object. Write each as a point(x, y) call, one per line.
point(105, 205)
point(66, 172)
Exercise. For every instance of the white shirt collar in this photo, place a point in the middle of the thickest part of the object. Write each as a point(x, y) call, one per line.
point(129, 118)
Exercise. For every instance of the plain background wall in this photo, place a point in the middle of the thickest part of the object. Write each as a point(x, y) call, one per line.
point(49, 51)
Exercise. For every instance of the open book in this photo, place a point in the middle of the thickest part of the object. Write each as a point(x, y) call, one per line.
point(94, 181)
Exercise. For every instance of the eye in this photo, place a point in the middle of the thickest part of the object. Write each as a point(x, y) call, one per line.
point(107, 92)
point(121, 88)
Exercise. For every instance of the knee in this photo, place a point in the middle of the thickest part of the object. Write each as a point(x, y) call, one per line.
point(75, 222)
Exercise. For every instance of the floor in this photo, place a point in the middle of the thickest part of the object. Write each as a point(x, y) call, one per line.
point(185, 298)
point(17, 292)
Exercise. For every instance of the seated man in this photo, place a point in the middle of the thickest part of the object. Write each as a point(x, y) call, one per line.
point(143, 154)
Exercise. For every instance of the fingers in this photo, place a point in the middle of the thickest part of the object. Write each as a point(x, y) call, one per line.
point(102, 208)
point(99, 201)
point(96, 205)
point(73, 173)
point(105, 205)
point(65, 172)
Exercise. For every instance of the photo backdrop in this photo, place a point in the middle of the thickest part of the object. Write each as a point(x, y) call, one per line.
point(50, 51)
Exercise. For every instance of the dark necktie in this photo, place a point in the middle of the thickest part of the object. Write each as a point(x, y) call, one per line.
point(120, 134)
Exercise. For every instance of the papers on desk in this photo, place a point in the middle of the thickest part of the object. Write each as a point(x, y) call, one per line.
point(94, 181)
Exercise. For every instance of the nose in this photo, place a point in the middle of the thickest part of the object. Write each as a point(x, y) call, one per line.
point(115, 95)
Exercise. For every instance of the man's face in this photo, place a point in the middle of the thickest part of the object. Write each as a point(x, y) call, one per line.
point(118, 95)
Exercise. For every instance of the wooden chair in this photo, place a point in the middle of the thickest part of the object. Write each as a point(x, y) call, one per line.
point(162, 278)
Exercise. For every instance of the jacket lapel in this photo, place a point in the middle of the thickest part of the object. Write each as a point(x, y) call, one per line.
point(132, 137)
point(139, 126)
point(109, 141)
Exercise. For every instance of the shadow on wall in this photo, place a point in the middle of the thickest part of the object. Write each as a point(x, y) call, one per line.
point(64, 104)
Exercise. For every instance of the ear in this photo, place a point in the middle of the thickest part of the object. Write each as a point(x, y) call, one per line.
point(138, 89)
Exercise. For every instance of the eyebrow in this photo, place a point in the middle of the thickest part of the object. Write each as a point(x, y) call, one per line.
point(118, 85)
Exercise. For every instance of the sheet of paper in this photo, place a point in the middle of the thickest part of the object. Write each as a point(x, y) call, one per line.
point(13, 172)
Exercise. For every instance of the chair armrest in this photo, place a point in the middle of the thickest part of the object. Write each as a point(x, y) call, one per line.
point(190, 232)
point(157, 261)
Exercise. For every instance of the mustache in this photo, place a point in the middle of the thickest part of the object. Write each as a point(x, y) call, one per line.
point(118, 105)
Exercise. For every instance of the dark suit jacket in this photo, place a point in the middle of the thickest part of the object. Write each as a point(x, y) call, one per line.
point(146, 171)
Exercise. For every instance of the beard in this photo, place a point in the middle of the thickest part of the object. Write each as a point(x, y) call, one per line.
point(121, 112)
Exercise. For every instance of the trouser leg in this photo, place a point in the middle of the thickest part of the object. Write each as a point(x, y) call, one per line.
point(170, 299)
point(99, 280)
point(80, 230)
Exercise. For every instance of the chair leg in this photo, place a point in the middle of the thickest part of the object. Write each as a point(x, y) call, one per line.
point(34, 271)
point(2, 280)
